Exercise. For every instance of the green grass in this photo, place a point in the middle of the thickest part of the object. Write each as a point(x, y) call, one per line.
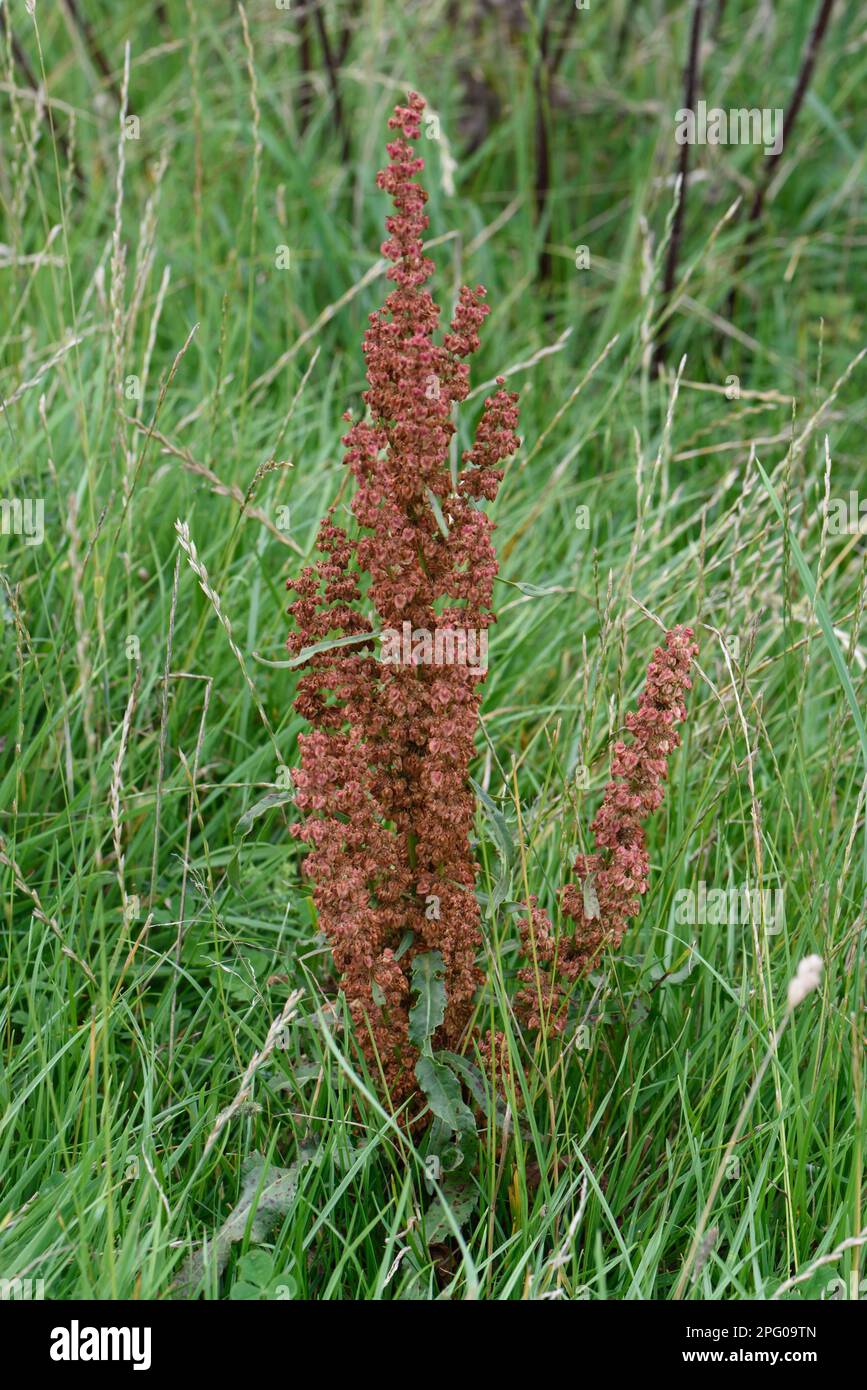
point(149, 940)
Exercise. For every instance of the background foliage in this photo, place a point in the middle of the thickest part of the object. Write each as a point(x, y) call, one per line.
point(157, 362)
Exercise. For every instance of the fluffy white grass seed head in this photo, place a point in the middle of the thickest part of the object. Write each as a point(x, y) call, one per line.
point(807, 978)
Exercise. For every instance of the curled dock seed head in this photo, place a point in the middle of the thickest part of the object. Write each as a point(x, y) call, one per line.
point(620, 864)
point(383, 782)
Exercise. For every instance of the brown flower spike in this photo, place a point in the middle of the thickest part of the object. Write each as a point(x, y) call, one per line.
point(384, 773)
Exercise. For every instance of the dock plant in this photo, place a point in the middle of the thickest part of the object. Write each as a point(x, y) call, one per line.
point(383, 784)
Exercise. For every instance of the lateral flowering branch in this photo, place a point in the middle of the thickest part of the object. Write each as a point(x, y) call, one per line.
point(384, 772)
point(612, 879)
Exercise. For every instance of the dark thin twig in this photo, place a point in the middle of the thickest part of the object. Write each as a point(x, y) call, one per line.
point(562, 48)
point(547, 64)
point(346, 35)
point(691, 76)
point(808, 62)
point(543, 147)
point(305, 86)
point(35, 85)
point(623, 32)
point(331, 66)
point(98, 57)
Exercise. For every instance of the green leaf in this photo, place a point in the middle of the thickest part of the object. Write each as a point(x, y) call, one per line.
point(405, 942)
point(443, 1091)
point(438, 512)
point(267, 1194)
point(675, 977)
point(428, 982)
point(245, 1291)
point(283, 1286)
point(275, 798)
point(502, 833)
point(244, 825)
point(536, 590)
point(458, 1195)
point(327, 645)
point(491, 1105)
point(233, 870)
point(256, 1267)
point(472, 1077)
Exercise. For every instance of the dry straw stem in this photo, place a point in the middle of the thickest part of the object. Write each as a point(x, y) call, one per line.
point(201, 470)
point(192, 775)
point(39, 912)
point(164, 724)
point(188, 546)
point(116, 786)
point(555, 420)
point(22, 639)
point(82, 630)
point(133, 473)
point(645, 497)
point(257, 119)
point(46, 367)
point(130, 956)
point(760, 940)
point(254, 186)
point(118, 250)
point(328, 313)
point(9, 257)
point(677, 295)
point(448, 163)
point(760, 944)
point(144, 262)
point(526, 363)
point(664, 580)
point(851, 1243)
point(275, 1032)
point(152, 335)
